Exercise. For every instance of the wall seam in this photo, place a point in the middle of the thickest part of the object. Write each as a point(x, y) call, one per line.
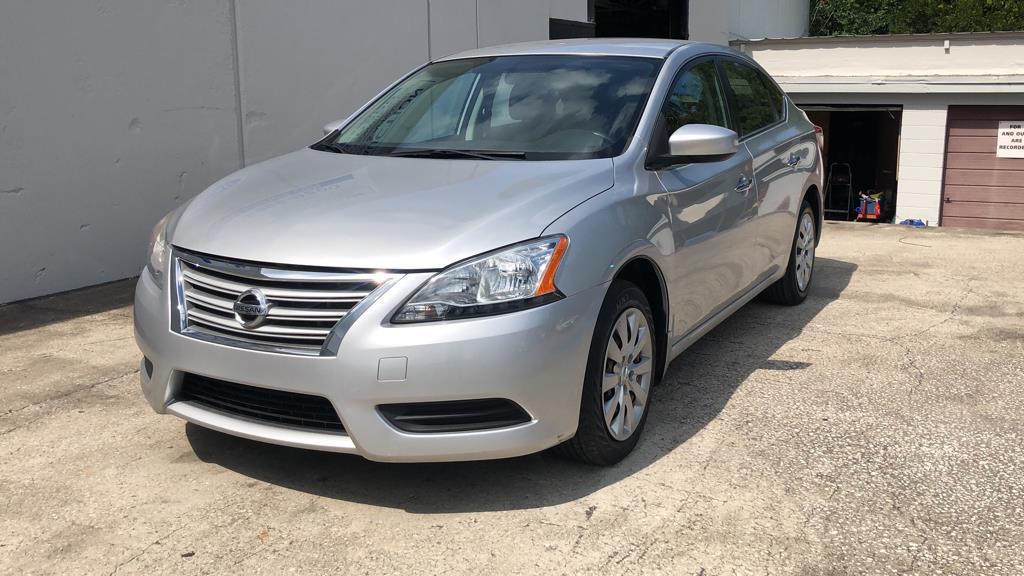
point(945, 160)
point(430, 48)
point(236, 68)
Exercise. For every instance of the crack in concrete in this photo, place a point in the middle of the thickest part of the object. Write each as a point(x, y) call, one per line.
point(917, 555)
point(908, 352)
point(60, 396)
point(903, 240)
point(147, 547)
point(968, 290)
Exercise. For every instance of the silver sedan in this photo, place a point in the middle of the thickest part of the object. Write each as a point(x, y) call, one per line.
point(498, 254)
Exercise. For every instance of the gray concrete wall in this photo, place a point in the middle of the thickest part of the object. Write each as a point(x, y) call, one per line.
point(306, 63)
point(720, 21)
point(113, 112)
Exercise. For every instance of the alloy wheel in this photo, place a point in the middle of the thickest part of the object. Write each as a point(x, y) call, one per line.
point(805, 251)
point(628, 368)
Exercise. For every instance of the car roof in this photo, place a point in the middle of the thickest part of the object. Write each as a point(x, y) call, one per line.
point(643, 47)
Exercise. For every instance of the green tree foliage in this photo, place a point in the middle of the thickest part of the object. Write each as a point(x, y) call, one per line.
point(840, 17)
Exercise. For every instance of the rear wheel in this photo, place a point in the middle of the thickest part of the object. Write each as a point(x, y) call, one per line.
point(792, 288)
point(620, 375)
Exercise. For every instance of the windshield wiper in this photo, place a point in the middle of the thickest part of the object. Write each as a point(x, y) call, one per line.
point(451, 153)
point(338, 148)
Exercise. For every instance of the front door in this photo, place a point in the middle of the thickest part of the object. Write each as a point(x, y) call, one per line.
point(711, 206)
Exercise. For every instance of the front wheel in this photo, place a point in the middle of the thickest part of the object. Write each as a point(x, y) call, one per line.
point(621, 371)
point(792, 288)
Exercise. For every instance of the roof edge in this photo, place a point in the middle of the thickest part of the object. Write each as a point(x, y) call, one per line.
point(638, 47)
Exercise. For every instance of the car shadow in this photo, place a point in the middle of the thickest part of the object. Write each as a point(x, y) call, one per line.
point(696, 388)
point(45, 310)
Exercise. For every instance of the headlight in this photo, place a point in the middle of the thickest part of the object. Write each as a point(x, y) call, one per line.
point(158, 250)
point(511, 279)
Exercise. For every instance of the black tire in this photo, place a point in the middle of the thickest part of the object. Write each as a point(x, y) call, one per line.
point(593, 442)
point(786, 290)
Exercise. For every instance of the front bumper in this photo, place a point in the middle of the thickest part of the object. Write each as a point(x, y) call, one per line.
point(535, 358)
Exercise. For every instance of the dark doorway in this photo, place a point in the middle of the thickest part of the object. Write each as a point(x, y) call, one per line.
point(642, 18)
point(861, 155)
point(559, 29)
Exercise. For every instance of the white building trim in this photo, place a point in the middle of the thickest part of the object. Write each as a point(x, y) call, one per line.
point(903, 85)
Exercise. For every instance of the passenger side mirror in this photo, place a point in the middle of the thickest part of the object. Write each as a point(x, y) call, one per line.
point(332, 126)
point(698, 143)
point(702, 141)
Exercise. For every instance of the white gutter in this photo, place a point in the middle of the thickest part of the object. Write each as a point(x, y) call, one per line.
point(904, 84)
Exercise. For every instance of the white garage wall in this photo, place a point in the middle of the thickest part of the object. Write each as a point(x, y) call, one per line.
point(922, 156)
point(113, 112)
point(769, 18)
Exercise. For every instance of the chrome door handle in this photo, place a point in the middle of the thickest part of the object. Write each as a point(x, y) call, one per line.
point(744, 184)
point(794, 159)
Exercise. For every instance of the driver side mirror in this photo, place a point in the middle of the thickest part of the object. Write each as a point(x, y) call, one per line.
point(698, 143)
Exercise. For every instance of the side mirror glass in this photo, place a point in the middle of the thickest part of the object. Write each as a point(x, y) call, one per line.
point(703, 143)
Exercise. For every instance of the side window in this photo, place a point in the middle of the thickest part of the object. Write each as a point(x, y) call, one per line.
point(778, 99)
point(757, 102)
point(696, 97)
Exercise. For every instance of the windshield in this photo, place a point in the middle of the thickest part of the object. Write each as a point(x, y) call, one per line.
point(521, 107)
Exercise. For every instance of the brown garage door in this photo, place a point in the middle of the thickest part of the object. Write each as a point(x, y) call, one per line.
point(980, 189)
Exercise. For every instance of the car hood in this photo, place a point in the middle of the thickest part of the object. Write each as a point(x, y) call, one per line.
point(314, 208)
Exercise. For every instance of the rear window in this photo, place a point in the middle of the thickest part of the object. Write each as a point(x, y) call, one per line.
point(758, 103)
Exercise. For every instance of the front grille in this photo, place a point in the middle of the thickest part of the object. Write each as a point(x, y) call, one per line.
point(262, 404)
point(303, 305)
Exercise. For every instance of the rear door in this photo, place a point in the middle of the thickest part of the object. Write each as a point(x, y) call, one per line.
point(783, 152)
point(710, 204)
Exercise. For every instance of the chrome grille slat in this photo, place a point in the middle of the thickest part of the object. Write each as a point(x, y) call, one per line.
point(276, 293)
point(288, 331)
point(275, 312)
point(220, 303)
point(283, 275)
point(303, 306)
point(240, 339)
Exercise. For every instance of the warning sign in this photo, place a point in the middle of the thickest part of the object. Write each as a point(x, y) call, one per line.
point(1010, 143)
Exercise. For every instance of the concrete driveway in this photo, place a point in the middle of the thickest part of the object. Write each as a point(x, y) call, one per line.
point(876, 429)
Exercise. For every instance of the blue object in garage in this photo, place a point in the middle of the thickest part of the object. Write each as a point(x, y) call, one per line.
point(913, 222)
